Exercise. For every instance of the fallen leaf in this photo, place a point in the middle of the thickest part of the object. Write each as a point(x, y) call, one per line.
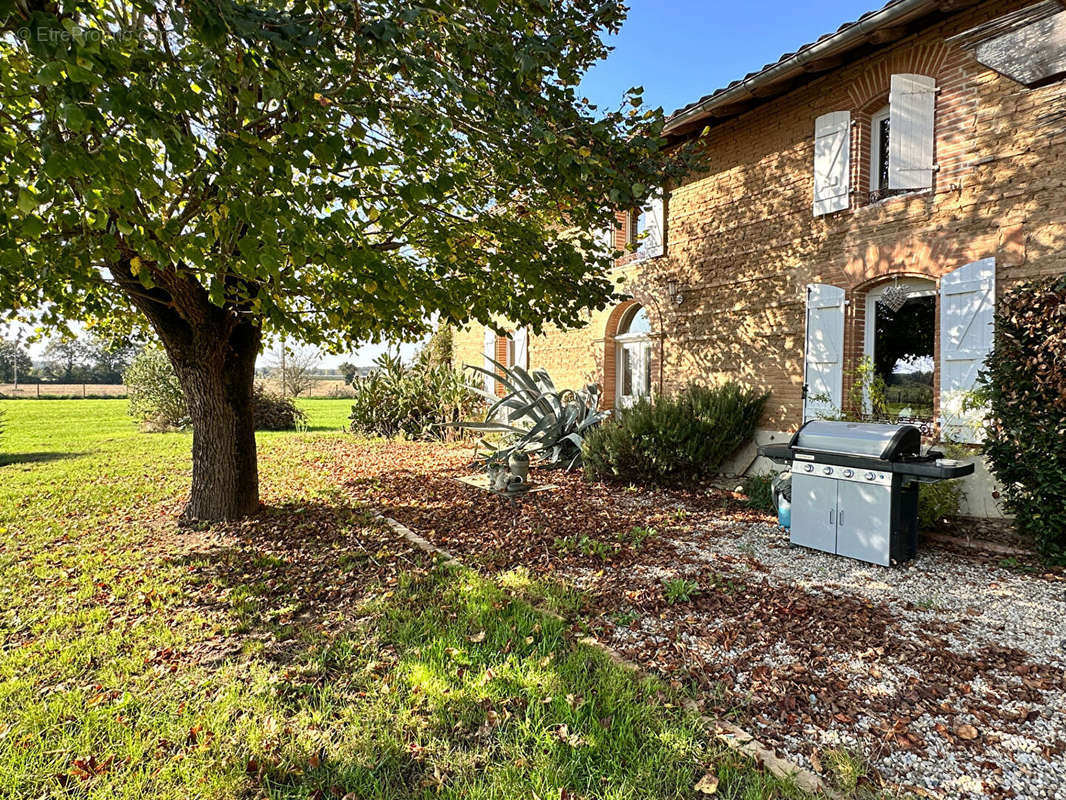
point(967, 732)
point(477, 637)
point(708, 784)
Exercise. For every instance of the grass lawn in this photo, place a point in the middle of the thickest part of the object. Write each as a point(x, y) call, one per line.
point(304, 653)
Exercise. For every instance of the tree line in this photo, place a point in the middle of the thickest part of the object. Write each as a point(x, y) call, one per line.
point(93, 359)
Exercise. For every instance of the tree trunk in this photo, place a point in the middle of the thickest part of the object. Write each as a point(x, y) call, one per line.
point(218, 387)
point(213, 351)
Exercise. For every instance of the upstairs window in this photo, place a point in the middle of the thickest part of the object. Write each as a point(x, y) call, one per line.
point(901, 147)
point(880, 136)
point(644, 230)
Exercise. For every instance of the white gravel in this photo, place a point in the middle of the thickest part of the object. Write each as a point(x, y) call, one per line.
point(970, 604)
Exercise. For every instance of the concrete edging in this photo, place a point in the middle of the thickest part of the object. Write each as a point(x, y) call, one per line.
point(733, 736)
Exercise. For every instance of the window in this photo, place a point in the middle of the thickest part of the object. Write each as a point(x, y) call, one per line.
point(636, 226)
point(900, 143)
point(633, 351)
point(644, 229)
point(880, 136)
point(899, 337)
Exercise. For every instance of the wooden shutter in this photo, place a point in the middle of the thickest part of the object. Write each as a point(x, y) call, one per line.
point(489, 353)
point(832, 162)
point(521, 348)
point(912, 108)
point(967, 308)
point(823, 366)
point(652, 244)
point(606, 237)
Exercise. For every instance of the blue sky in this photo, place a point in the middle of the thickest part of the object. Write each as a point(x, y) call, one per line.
point(680, 50)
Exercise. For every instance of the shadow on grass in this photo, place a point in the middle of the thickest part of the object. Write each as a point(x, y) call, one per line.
point(6, 459)
point(399, 677)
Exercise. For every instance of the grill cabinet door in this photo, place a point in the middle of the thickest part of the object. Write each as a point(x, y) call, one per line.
point(863, 524)
point(814, 512)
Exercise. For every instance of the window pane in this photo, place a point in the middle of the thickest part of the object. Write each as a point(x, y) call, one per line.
point(627, 372)
point(645, 354)
point(638, 322)
point(882, 155)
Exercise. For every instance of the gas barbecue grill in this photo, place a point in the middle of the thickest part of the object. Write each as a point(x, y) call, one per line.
point(855, 487)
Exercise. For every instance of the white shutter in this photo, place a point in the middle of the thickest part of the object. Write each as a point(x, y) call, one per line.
point(832, 162)
point(967, 308)
point(912, 108)
point(521, 348)
point(823, 366)
point(489, 353)
point(652, 243)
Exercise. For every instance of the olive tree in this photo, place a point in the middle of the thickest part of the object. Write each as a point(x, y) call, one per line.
point(331, 172)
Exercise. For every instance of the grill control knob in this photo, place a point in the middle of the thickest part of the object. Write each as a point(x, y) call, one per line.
point(808, 467)
point(849, 473)
point(869, 476)
point(827, 470)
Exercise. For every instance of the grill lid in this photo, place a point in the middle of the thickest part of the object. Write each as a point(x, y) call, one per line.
point(869, 439)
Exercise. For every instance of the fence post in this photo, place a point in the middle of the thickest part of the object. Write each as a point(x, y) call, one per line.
point(83, 391)
point(38, 390)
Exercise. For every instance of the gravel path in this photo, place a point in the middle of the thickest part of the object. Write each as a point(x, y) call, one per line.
point(947, 674)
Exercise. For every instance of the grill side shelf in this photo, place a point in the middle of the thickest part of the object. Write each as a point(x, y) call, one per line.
point(930, 469)
point(778, 453)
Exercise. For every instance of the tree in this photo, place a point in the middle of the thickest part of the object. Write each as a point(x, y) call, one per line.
point(295, 368)
point(108, 357)
point(65, 359)
point(334, 172)
point(438, 349)
point(349, 371)
point(12, 353)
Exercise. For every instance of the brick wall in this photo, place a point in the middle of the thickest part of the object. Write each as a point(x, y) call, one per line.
point(743, 243)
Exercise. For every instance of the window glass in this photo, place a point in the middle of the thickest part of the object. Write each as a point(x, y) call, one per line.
point(646, 356)
point(882, 154)
point(638, 322)
point(627, 372)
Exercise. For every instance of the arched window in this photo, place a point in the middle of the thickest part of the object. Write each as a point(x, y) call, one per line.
point(635, 322)
point(633, 354)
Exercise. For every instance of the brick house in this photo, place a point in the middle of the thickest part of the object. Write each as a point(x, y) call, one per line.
point(874, 190)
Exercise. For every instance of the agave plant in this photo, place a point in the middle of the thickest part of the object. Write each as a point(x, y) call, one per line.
point(536, 418)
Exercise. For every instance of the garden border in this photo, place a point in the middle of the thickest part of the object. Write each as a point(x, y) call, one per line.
point(732, 735)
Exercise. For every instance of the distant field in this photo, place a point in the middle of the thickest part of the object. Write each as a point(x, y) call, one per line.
point(325, 388)
point(53, 390)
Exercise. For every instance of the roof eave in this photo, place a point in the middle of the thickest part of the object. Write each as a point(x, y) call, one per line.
point(808, 61)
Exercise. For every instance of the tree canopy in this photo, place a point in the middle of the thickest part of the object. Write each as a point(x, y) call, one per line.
point(323, 171)
point(341, 170)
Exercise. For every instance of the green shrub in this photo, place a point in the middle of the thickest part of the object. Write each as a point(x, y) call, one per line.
point(936, 501)
point(674, 437)
point(416, 402)
point(276, 413)
point(760, 493)
point(1024, 382)
point(155, 396)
